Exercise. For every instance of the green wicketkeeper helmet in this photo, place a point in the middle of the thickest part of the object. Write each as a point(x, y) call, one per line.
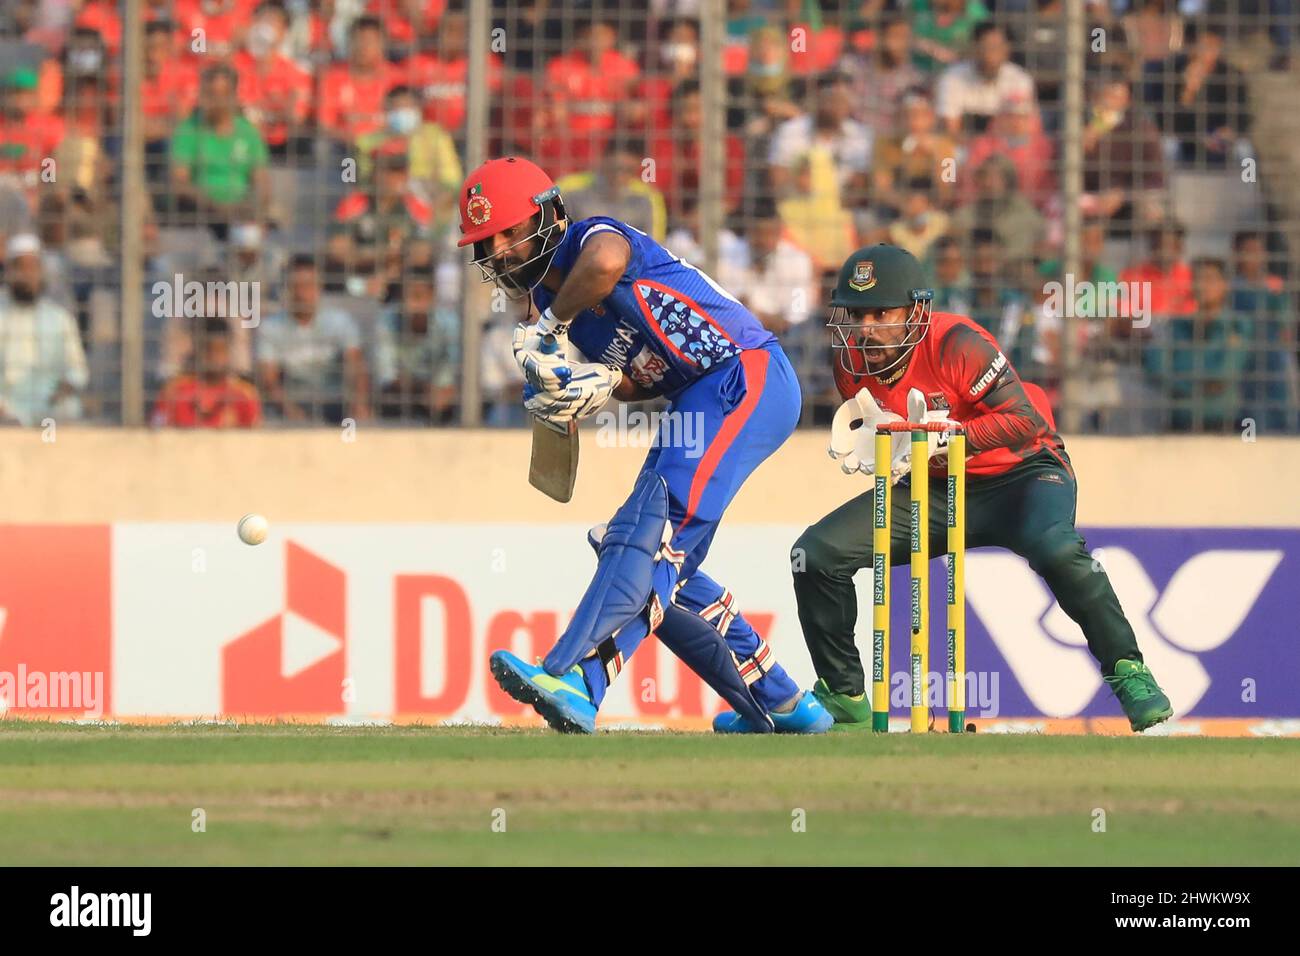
point(878, 277)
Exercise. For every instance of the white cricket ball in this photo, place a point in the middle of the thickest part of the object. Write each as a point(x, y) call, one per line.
point(253, 529)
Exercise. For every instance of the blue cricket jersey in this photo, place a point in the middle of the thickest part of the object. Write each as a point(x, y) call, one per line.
point(666, 324)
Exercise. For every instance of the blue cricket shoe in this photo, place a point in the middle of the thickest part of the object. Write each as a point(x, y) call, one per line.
point(563, 701)
point(808, 717)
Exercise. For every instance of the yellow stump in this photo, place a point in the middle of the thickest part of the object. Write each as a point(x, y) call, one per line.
point(920, 658)
point(957, 584)
point(880, 587)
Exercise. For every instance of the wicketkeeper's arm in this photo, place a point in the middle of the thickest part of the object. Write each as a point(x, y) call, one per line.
point(985, 375)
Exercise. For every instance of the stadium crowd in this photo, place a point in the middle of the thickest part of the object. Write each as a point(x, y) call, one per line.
point(314, 148)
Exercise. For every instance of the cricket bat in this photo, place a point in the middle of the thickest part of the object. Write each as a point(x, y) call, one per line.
point(553, 468)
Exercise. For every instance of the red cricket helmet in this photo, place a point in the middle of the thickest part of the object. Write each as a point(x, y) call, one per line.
point(501, 194)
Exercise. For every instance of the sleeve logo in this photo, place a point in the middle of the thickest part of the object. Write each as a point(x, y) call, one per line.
point(989, 376)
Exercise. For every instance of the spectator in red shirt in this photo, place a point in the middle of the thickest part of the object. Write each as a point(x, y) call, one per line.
point(1016, 133)
point(585, 87)
point(312, 37)
point(102, 17)
point(677, 157)
point(678, 51)
point(814, 49)
point(211, 396)
point(274, 90)
point(222, 22)
point(408, 20)
point(28, 137)
point(352, 93)
point(169, 92)
point(1169, 292)
point(438, 73)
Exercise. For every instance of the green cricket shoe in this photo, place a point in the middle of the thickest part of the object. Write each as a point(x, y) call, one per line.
point(846, 709)
point(1144, 703)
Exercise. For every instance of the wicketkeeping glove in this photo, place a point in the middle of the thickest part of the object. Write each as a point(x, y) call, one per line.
point(937, 441)
point(853, 433)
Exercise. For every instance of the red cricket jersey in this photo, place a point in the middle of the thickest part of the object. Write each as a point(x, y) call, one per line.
point(354, 105)
point(590, 91)
point(284, 86)
point(27, 141)
point(173, 92)
point(189, 402)
point(440, 84)
point(965, 376)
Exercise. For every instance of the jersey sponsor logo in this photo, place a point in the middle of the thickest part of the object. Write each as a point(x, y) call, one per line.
point(937, 400)
point(989, 376)
point(647, 369)
point(864, 276)
point(620, 347)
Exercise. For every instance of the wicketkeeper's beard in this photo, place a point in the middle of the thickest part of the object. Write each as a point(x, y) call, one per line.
point(871, 355)
point(851, 345)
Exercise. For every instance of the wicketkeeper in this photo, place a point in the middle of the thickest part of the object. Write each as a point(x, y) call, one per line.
point(1020, 492)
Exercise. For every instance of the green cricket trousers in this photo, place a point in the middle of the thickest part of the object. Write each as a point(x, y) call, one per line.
point(1028, 510)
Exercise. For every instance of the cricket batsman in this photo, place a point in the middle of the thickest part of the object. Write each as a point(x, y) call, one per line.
point(1021, 488)
point(621, 316)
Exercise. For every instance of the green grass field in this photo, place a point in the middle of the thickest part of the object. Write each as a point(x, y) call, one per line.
point(323, 795)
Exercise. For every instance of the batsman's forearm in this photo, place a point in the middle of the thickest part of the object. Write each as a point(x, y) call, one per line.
point(586, 286)
point(594, 275)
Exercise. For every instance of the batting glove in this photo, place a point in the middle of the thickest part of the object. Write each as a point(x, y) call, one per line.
point(542, 359)
point(589, 387)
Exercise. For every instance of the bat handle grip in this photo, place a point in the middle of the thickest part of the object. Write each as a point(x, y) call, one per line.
point(550, 344)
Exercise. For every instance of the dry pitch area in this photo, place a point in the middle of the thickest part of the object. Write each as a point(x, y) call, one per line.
point(411, 795)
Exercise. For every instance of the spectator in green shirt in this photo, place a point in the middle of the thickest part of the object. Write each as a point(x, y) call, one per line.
point(742, 20)
point(942, 30)
point(996, 302)
point(1199, 360)
point(218, 158)
point(1254, 288)
point(1092, 243)
point(1271, 392)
